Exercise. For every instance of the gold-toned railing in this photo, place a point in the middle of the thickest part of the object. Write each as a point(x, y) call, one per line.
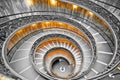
point(43, 25)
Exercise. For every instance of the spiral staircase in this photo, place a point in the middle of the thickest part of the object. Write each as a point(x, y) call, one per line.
point(59, 40)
